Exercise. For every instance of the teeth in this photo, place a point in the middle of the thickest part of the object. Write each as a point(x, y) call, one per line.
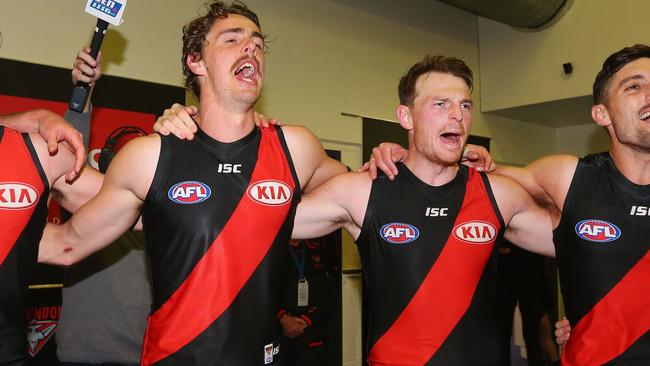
point(645, 116)
point(247, 68)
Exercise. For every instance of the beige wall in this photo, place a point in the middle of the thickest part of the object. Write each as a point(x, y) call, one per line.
point(520, 68)
point(326, 58)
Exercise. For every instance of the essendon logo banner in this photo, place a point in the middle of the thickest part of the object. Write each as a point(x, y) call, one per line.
point(42, 320)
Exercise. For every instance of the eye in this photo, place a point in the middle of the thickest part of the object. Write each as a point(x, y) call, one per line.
point(467, 106)
point(231, 40)
point(632, 87)
point(440, 103)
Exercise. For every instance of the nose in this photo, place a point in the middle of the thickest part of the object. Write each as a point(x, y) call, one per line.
point(250, 47)
point(456, 112)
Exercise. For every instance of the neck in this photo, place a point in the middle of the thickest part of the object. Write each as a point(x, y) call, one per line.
point(431, 172)
point(225, 124)
point(633, 163)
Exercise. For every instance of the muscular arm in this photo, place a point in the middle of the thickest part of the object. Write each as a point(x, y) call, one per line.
point(111, 212)
point(546, 179)
point(339, 202)
point(312, 165)
point(529, 226)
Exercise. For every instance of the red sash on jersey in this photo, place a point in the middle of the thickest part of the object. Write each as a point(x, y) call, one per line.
point(446, 292)
point(225, 268)
point(603, 334)
point(18, 170)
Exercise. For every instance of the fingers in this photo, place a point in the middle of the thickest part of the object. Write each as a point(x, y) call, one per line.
point(85, 69)
point(478, 157)
point(263, 122)
point(177, 120)
point(562, 331)
point(75, 142)
point(372, 167)
point(383, 160)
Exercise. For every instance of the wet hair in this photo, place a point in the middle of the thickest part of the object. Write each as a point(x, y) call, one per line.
point(195, 32)
point(435, 63)
point(612, 64)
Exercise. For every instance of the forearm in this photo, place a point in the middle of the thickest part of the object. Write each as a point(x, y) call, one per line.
point(28, 122)
point(93, 227)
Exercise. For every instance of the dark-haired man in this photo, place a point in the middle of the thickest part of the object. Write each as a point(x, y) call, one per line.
point(217, 210)
point(602, 204)
point(427, 239)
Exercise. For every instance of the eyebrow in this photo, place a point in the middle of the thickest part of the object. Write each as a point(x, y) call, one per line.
point(240, 30)
point(448, 99)
point(633, 77)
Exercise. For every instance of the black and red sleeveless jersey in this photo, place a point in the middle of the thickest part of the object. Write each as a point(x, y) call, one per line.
point(217, 220)
point(23, 212)
point(430, 271)
point(602, 245)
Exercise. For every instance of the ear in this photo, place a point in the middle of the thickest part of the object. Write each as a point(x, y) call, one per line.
point(194, 62)
point(600, 115)
point(404, 117)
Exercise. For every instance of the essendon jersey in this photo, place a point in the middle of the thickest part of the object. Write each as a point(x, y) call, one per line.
point(430, 271)
point(23, 213)
point(217, 219)
point(602, 245)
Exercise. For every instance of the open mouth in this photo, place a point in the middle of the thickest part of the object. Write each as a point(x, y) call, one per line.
point(451, 137)
point(645, 116)
point(247, 70)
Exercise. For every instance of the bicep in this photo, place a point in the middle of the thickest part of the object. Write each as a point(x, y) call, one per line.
point(530, 226)
point(527, 177)
point(312, 164)
point(73, 196)
point(318, 214)
point(326, 170)
point(331, 206)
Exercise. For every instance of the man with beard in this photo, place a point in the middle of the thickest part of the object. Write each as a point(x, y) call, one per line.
point(427, 239)
point(601, 203)
point(217, 210)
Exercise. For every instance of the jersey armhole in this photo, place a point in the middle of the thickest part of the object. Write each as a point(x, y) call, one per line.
point(364, 231)
point(493, 201)
point(37, 162)
point(287, 153)
point(164, 161)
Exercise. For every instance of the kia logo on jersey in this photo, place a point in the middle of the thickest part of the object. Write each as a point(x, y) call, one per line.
point(189, 192)
point(475, 232)
point(598, 231)
point(270, 192)
point(17, 196)
point(399, 233)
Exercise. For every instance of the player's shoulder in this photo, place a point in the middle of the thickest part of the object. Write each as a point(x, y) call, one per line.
point(557, 163)
point(54, 165)
point(297, 132)
point(142, 145)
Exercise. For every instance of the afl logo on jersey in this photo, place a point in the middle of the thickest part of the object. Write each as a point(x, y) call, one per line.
point(270, 192)
point(399, 233)
point(189, 192)
point(17, 196)
point(475, 232)
point(598, 231)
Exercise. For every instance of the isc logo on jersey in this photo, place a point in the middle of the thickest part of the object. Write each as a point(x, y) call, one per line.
point(399, 233)
point(475, 232)
point(598, 231)
point(189, 192)
point(270, 192)
point(17, 196)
